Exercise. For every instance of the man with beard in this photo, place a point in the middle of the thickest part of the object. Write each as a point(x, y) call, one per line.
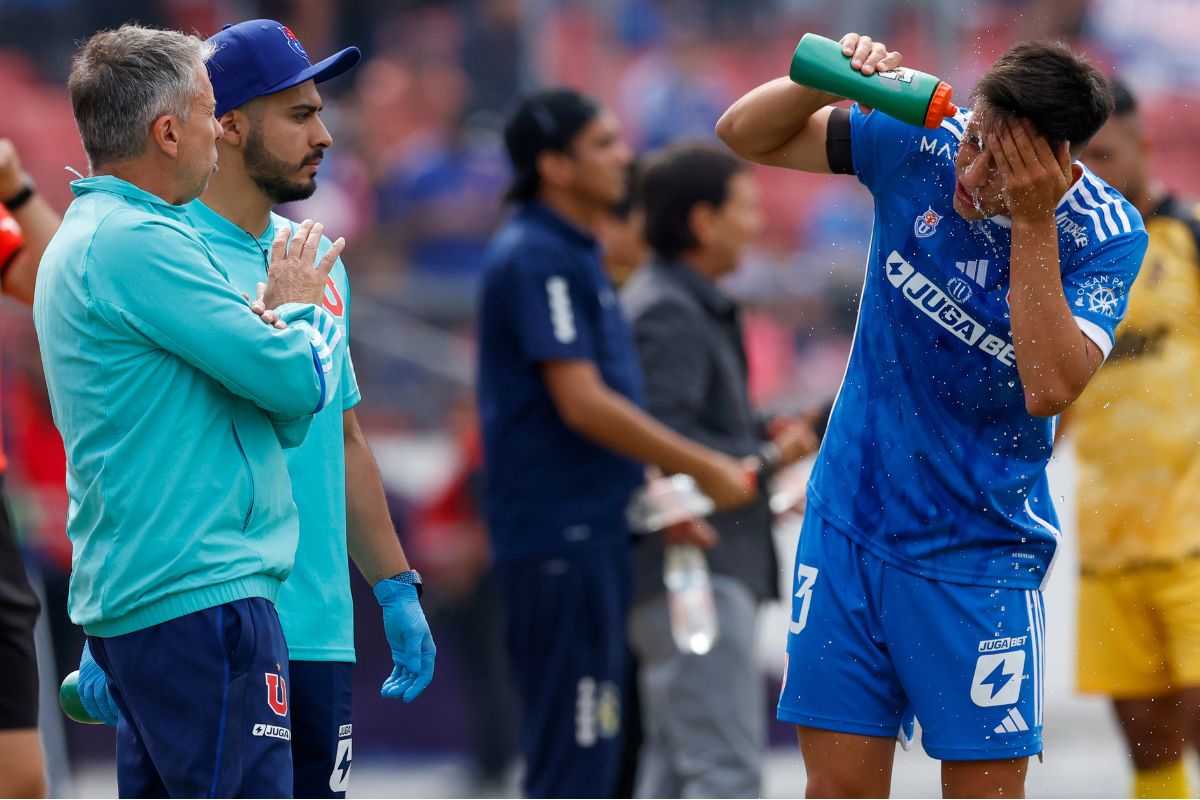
point(269, 110)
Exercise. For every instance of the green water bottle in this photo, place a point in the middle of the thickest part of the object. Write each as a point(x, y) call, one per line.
point(68, 700)
point(906, 94)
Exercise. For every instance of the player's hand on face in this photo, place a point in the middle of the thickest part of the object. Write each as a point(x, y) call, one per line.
point(728, 482)
point(12, 177)
point(411, 643)
point(692, 531)
point(1033, 176)
point(93, 689)
point(291, 276)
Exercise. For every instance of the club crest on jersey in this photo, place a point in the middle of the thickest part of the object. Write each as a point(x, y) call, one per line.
point(1100, 295)
point(277, 694)
point(293, 42)
point(333, 299)
point(926, 224)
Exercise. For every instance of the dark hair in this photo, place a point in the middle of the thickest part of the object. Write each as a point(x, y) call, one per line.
point(1124, 103)
point(675, 182)
point(548, 120)
point(1061, 94)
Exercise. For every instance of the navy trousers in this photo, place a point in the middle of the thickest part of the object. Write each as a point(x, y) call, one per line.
point(204, 707)
point(566, 640)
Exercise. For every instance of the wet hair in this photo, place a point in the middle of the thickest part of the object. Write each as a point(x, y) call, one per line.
point(548, 120)
point(1060, 93)
point(676, 181)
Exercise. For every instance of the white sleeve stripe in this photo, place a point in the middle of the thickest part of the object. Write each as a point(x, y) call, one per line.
point(1090, 213)
point(562, 317)
point(1096, 334)
point(1126, 226)
point(946, 123)
point(1108, 217)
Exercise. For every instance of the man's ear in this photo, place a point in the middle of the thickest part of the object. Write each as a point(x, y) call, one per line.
point(235, 125)
point(555, 168)
point(164, 134)
point(701, 223)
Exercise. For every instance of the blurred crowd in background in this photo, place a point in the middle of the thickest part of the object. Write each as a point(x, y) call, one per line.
point(414, 180)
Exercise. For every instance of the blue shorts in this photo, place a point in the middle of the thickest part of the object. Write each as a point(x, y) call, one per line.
point(566, 641)
point(870, 645)
point(322, 748)
point(204, 704)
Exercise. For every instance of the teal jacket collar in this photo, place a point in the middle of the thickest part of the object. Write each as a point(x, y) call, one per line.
point(110, 184)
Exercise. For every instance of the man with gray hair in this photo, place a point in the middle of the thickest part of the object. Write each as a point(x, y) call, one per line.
point(175, 402)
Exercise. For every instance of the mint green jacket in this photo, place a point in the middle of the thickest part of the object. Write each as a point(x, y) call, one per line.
point(175, 403)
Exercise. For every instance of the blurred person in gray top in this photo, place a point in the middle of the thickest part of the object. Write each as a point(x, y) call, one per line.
point(703, 715)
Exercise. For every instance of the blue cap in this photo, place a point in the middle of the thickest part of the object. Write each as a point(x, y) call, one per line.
point(262, 56)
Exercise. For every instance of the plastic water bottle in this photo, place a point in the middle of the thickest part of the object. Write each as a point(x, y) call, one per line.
point(690, 603)
point(906, 94)
point(664, 502)
point(69, 702)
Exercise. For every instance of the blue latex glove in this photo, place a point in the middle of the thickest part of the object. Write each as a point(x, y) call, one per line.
point(408, 635)
point(93, 689)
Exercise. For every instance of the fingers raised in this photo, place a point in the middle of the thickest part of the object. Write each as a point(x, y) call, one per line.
point(331, 256)
point(279, 244)
point(299, 238)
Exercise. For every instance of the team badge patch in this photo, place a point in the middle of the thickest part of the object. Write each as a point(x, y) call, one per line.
point(277, 694)
point(333, 299)
point(1100, 295)
point(293, 42)
point(926, 224)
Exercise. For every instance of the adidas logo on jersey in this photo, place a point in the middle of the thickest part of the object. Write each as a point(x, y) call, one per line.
point(975, 270)
point(1013, 723)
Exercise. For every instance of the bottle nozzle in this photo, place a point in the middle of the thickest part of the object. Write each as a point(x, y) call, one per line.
point(940, 106)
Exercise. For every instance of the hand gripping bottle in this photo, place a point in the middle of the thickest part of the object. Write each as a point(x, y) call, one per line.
point(68, 700)
point(905, 94)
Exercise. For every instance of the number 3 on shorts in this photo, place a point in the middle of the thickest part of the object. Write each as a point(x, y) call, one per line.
point(806, 578)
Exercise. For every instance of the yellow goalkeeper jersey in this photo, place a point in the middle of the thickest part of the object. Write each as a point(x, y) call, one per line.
point(1136, 427)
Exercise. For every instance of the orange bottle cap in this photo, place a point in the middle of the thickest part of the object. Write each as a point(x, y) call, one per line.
point(940, 106)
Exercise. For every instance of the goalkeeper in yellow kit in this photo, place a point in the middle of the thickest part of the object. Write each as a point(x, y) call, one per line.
point(1137, 436)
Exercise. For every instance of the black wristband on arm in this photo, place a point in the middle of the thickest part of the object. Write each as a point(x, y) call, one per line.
point(837, 143)
point(19, 199)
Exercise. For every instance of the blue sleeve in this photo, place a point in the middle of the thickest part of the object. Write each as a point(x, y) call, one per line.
point(549, 301)
point(1097, 288)
point(879, 144)
point(172, 294)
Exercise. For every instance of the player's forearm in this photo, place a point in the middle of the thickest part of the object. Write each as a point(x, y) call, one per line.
point(768, 117)
point(1052, 353)
point(38, 223)
point(370, 536)
point(611, 421)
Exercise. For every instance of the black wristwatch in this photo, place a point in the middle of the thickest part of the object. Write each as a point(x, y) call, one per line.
point(411, 577)
point(20, 198)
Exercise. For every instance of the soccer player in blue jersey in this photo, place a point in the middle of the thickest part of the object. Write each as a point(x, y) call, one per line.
point(999, 268)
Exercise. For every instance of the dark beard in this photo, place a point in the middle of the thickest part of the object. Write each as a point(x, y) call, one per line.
point(268, 173)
